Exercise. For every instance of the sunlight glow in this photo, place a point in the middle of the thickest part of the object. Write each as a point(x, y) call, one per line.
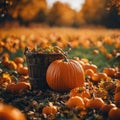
point(74, 4)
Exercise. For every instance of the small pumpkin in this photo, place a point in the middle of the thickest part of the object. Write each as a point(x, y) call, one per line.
point(99, 76)
point(81, 92)
point(117, 89)
point(19, 87)
point(12, 65)
point(95, 52)
point(51, 109)
point(22, 70)
point(19, 65)
point(96, 76)
point(114, 114)
point(89, 72)
point(95, 103)
point(5, 78)
point(110, 71)
point(90, 66)
point(106, 108)
point(76, 102)
point(65, 74)
point(85, 101)
point(18, 60)
point(117, 75)
point(8, 112)
point(117, 97)
point(109, 56)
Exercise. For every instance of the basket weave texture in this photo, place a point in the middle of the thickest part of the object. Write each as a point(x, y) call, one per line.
point(37, 66)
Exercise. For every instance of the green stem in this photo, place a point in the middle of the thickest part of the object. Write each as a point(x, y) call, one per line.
point(63, 53)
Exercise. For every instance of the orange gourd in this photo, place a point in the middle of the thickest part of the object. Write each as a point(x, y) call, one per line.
point(19, 87)
point(102, 76)
point(95, 52)
point(19, 65)
point(96, 76)
point(85, 101)
point(89, 72)
point(5, 78)
point(10, 64)
point(117, 97)
point(76, 102)
point(117, 75)
point(90, 66)
point(99, 76)
point(106, 108)
point(109, 56)
point(95, 103)
point(22, 70)
point(80, 91)
point(49, 110)
point(109, 71)
point(18, 60)
point(63, 75)
point(117, 89)
point(8, 112)
point(114, 114)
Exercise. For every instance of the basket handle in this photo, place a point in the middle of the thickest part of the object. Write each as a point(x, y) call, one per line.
point(26, 50)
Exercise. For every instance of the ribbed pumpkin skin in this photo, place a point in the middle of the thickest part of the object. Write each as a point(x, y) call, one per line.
point(63, 76)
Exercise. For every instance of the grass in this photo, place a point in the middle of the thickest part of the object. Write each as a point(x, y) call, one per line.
point(100, 59)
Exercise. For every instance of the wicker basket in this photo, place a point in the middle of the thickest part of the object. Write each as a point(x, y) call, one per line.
point(37, 66)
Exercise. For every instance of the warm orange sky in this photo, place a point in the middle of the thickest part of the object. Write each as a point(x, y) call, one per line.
point(75, 4)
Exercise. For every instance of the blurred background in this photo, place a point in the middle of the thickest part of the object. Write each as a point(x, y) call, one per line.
point(69, 13)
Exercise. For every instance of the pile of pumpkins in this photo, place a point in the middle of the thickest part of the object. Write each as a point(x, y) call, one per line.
point(70, 75)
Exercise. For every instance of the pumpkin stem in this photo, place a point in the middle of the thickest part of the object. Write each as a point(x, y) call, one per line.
point(65, 58)
point(64, 53)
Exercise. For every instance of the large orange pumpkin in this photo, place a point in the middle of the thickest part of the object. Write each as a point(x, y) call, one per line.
point(65, 75)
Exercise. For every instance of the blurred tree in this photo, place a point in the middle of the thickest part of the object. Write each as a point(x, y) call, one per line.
point(4, 6)
point(60, 14)
point(24, 11)
point(93, 11)
point(28, 10)
point(114, 3)
point(79, 19)
point(112, 18)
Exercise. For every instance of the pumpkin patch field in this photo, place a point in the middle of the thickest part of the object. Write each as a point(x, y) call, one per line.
point(59, 73)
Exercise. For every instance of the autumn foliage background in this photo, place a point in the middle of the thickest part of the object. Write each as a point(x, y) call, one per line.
point(95, 12)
